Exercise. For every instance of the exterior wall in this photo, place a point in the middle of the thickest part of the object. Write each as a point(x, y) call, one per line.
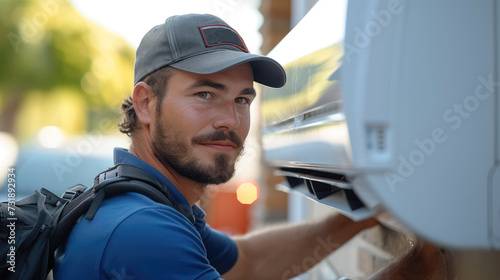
point(272, 205)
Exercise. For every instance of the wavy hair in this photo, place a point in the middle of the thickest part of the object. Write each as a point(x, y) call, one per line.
point(158, 82)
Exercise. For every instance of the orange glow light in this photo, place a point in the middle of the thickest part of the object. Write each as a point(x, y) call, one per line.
point(247, 193)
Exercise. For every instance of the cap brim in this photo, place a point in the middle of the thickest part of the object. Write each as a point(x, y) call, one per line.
point(266, 70)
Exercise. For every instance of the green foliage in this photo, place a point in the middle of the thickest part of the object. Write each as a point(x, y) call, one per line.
point(46, 49)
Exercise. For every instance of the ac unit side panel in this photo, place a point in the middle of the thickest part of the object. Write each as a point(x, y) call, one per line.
point(404, 104)
point(438, 108)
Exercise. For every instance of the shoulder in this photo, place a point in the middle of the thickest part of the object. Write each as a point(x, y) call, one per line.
point(148, 219)
point(157, 240)
point(134, 235)
point(128, 218)
point(132, 206)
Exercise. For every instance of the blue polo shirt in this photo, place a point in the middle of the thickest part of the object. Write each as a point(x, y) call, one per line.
point(133, 237)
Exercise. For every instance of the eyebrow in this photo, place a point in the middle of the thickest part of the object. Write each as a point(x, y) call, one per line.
point(202, 83)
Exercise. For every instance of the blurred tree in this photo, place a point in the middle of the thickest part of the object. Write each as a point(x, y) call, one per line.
point(51, 59)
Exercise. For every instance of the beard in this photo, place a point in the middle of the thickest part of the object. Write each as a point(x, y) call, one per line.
point(175, 154)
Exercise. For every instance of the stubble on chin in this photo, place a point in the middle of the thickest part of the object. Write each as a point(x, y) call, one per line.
point(177, 157)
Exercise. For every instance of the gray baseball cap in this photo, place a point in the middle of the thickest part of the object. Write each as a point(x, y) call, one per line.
point(202, 44)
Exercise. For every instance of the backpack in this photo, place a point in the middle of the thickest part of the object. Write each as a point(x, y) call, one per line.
point(33, 228)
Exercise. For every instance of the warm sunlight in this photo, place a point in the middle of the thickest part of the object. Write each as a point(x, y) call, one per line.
point(247, 193)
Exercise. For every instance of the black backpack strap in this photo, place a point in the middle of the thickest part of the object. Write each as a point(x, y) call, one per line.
point(123, 178)
point(121, 171)
point(69, 215)
point(121, 186)
point(73, 192)
point(117, 180)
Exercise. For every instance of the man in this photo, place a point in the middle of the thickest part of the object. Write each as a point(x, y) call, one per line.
point(188, 117)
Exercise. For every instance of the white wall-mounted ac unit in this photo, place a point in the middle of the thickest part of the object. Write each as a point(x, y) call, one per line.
point(394, 106)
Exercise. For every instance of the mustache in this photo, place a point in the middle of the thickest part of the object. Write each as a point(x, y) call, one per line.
point(219, 136)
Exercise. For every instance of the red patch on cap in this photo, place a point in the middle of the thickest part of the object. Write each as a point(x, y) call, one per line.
point(220, 34)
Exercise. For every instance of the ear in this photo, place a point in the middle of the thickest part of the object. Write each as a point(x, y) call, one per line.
point(144, 103)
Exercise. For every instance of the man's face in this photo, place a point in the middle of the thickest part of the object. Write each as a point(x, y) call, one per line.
point(202, 123)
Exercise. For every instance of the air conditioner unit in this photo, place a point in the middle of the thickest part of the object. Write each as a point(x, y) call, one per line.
point(393, 106)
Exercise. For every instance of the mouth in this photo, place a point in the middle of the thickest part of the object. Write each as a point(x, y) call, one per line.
point(221, 145)
point(220, 141)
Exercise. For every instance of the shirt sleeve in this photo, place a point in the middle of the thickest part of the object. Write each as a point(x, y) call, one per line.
point(222, 251)
point(156, 243)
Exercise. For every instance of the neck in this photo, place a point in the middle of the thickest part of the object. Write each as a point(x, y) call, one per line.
point(191, 190)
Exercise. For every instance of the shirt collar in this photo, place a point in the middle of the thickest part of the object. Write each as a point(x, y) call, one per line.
point(123, 156)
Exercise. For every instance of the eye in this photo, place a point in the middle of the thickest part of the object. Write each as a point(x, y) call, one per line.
point(242, 100)
point(204, 94)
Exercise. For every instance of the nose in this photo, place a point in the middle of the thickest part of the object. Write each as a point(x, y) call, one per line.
point(227, 118)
